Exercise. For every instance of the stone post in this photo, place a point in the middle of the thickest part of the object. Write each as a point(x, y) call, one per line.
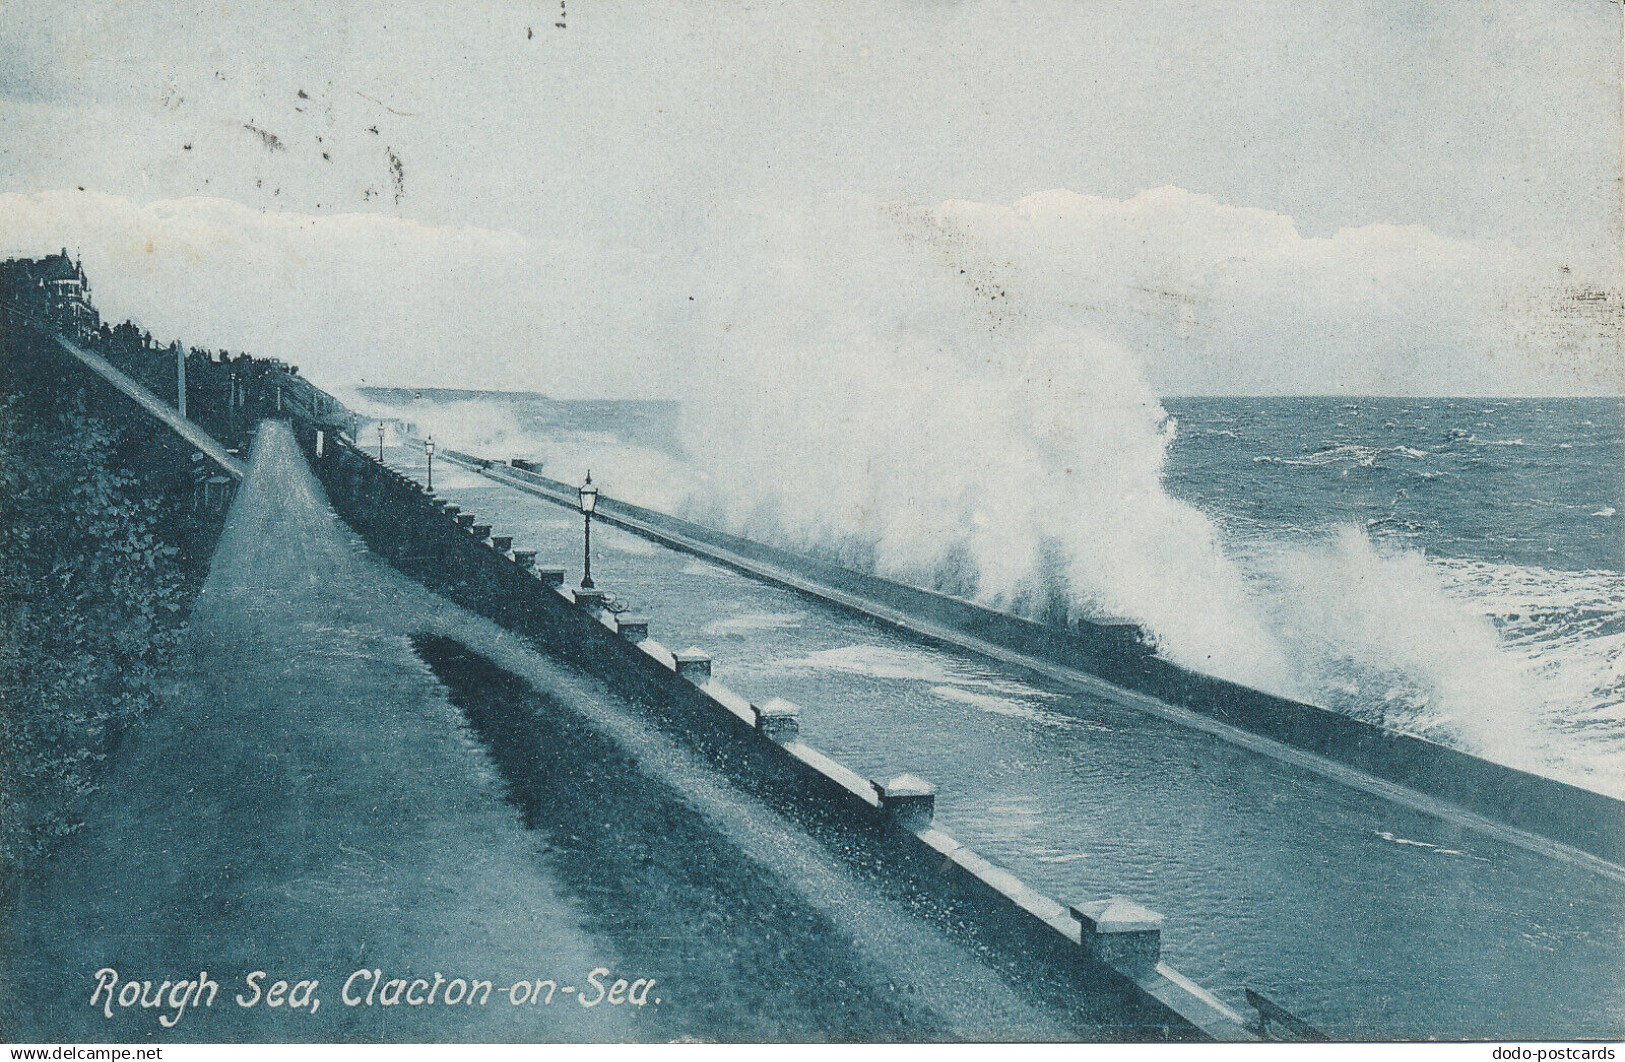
point(1121, 934)
point(778, 719)
point(693, 664)
point(911, 801)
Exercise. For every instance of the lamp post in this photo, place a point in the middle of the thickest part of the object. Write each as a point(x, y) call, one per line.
point(380, 442)
point(428, 449)
point(589, 501)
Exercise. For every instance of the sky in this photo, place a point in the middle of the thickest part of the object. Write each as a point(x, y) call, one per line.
point(1249, 196)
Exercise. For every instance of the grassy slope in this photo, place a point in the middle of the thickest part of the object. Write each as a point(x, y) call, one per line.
point(95, 582)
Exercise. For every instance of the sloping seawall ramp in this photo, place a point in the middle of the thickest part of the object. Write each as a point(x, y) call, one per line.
point(1588, 822)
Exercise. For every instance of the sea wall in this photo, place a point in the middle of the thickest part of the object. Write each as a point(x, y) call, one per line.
point(1102, 952)
point(1588, 821)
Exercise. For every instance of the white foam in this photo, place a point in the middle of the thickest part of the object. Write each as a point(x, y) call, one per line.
point(999, 705)
point(755, 621)
point(907, 665)
point(1431, 849)
point(1523, 665)
point(1387, 836)
point(1353, 454)
point(1355, 616)
point(630, 544)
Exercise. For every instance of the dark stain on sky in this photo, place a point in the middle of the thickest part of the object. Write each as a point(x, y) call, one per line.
point(271, 141)
point(397, 174)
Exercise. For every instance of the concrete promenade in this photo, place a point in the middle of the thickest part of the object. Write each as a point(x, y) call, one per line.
point(669, 532)
point(308, 802)
point(1366, 916)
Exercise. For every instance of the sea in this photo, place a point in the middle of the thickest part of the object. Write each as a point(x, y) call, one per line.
point(1511, 509)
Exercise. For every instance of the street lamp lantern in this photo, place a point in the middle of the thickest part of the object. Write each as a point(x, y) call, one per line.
point(380, 442)
point(428, 449)
point(589, 502)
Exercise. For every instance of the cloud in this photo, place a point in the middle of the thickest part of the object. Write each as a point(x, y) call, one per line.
point(1214, 298)
point(354, 297)
point(1233, 299)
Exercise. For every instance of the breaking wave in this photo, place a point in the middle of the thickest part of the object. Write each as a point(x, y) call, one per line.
point(862, 404)
point(863, 409)
point(1353, 454)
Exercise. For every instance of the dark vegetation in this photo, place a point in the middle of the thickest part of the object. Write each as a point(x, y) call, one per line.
point(101, 556)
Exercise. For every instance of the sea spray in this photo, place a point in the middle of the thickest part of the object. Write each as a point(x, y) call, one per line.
point(1520, 663)
point(875, 390)
point(474, 425)
point(862, 404)
point(491, 428)
point(880, 394)
point(1375, 633)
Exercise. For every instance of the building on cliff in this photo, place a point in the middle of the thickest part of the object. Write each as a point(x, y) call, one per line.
point(53, 288)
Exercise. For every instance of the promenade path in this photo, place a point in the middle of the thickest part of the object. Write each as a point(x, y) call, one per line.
point(308, 802)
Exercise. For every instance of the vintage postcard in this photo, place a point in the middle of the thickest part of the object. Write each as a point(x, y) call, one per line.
point(880, 522)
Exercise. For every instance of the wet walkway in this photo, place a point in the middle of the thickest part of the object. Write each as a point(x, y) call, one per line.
point(1367, 918)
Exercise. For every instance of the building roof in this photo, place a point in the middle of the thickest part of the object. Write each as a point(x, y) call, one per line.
point(56, 267)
